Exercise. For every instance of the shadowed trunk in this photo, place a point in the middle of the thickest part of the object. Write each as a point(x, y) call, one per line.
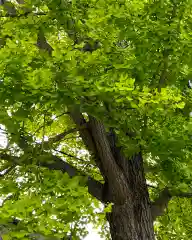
point(125, 187)
point(132, 220)
point(125, 184)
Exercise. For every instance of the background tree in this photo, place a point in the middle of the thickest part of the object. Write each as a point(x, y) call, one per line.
point(95, 108)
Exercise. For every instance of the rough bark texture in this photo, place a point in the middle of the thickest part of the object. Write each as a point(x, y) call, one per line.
point(125, 185)
point(133, 220)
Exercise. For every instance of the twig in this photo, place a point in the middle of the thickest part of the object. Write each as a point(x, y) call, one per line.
point(60, 136)
point(7, 171)
point(51, 121)
point(183, 195)
point(69, 155)
point(151, 186)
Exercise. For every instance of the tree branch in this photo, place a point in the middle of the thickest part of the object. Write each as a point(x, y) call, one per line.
point(95, 188)
point(151, 169)
point(42, 42)
point(48, 123)
point(161, 203)
point(85, 133)
point(112, 171)
point(9, 158)
point(183, 195)
point(53, 162)
point(6, 171)
point(58, 137)
point(69, 155)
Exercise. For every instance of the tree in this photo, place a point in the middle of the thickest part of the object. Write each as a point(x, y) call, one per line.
point(109, 77)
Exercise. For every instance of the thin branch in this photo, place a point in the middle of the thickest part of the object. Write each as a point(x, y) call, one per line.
point(151, 169)
point(60, 136)
point(69, 155)
point(151, 186)
point(74, 137)
point(60, 115)
point(51, 121)
point(9, 158)
point(79, 159)
point(7, 171)
point(183, 195)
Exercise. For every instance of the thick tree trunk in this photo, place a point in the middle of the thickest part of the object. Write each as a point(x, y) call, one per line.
point(132, 220)
point(125, 184)
point(126, 224)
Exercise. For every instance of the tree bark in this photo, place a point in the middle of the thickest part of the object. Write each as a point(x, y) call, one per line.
point(125, 185)
point(132, 220)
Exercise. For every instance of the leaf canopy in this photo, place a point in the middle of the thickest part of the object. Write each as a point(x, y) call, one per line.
point(124, 62)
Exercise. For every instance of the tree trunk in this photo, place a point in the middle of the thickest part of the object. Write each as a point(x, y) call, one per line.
point(132, 220)
point(128, 225)
point(125, 184)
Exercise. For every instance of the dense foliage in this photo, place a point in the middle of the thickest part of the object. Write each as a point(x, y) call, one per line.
point(124, 62)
